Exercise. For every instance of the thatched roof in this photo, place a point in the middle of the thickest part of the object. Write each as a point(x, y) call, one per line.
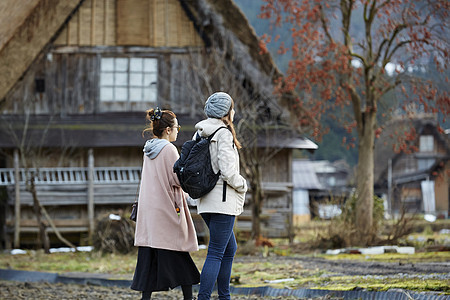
point(384, 149)
point(212, 16)
point(222, 21)
point(26, 26)
point(13, 14)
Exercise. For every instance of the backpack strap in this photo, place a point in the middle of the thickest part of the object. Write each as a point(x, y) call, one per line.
point(212, 134)
point(198, 137)
point(224, 192)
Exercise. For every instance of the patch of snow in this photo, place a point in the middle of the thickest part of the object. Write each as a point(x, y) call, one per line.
point(114, 217)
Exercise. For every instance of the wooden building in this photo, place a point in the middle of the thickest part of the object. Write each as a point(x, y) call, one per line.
point(320, 188)
point(76, 77)
point(419, 181)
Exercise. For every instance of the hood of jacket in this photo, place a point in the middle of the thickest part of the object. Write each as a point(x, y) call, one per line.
point(208, 126)
point(154, 146)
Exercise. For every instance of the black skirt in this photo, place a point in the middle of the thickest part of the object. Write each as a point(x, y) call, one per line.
point(161, 270)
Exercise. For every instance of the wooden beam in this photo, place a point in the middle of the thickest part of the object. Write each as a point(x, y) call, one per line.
point(91, 194)
point(17, 200)
point(58, 223)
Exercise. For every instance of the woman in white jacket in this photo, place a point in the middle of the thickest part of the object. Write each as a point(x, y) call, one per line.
point(220, 207)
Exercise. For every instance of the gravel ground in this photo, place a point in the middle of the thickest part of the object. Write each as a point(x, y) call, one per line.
point(37, 290)
point(42, 290)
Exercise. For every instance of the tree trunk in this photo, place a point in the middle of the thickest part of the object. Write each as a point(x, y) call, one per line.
point(365, 181)
point(253, 174)
point(256, 210)
point(43, 240)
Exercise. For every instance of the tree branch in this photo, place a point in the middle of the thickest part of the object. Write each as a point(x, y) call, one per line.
point(56, 230)
point(324, 24)
point(362, 58)
point(391, 86)
point(356, 101)
point(383, 4)
point(399, 28)
point(346, 9)
point(368, 21)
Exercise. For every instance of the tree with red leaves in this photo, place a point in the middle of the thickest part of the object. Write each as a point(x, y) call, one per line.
point(352, 53)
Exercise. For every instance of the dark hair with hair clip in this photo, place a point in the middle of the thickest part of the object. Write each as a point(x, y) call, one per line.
point(158, 121)
point(156, 114)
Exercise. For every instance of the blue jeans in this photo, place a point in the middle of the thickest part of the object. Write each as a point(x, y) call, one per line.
point(219, 260)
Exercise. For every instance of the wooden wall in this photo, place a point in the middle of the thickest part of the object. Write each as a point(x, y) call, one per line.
point(279, 168)
point(72, 84)
point(118, 157)
point(153, 23)
point(442, 189)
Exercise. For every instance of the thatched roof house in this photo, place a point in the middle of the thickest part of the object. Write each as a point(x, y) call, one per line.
point(416, 179)
point(77, 75)
point(51, 61)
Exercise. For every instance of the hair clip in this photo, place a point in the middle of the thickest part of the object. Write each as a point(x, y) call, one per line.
point(157, 114)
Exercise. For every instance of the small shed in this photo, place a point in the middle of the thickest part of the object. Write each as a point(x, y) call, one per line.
point(320, 188)
point(306, 186)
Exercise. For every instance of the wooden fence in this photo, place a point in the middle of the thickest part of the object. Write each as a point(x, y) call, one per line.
point(72, 196)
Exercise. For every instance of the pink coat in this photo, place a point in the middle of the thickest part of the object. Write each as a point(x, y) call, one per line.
point(158, 224)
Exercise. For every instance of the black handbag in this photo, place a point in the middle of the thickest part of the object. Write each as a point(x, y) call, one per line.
point(134, 208)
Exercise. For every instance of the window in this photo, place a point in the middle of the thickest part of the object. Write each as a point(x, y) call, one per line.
point(426, 143)
point(425, 163)
point(128, 79)
point(331, 181)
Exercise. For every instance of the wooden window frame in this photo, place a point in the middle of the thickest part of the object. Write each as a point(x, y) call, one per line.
point(115, 72)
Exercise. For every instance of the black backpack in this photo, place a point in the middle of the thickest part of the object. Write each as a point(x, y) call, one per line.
point(193, 168)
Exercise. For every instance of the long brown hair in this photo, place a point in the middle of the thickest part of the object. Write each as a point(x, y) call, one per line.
point(226, 119)
point(158, 120)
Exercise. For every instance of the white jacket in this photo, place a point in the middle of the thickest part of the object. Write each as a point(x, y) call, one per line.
point(224, 158)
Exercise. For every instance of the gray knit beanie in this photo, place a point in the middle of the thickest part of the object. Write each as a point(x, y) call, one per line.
point(218, 105)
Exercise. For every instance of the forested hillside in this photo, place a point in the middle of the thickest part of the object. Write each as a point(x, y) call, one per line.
point(331, 146)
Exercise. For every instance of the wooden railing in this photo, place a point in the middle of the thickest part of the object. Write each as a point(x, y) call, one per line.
point(71, 175)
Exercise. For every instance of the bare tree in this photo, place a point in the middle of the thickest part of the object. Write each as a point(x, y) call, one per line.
point(337, 66)
point(258, 117)
point(32, 156)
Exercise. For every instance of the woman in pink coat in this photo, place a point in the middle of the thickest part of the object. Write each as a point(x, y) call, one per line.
point(165, 233)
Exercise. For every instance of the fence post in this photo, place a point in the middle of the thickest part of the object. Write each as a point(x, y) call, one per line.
point(17, 200)
point(91, 194)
